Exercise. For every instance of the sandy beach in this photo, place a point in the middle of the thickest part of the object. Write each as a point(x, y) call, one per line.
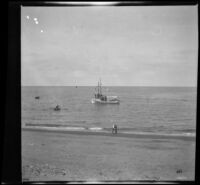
point(90, 156)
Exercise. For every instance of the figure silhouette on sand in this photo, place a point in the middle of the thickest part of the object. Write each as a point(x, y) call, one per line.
point(114, 129)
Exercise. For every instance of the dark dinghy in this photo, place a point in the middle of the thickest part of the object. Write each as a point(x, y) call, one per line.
point(57, 108)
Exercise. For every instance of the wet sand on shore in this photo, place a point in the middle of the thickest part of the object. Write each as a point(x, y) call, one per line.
point(96, 156)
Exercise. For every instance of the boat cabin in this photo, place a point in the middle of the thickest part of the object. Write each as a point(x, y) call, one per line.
point(101, 97)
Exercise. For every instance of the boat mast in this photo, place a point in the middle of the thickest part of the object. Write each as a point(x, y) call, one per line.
point(98, 88)
point(100, 85)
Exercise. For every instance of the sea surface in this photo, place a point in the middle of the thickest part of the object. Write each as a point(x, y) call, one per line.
point(162, 110)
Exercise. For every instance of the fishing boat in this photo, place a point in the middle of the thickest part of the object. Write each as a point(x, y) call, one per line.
point(104, 99)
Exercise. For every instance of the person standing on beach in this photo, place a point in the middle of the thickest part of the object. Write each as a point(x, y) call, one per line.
point(114, 129)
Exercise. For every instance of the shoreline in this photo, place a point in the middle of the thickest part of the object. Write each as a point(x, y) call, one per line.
point(138, 135)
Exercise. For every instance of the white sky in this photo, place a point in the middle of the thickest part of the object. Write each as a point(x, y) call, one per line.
point(131, 46)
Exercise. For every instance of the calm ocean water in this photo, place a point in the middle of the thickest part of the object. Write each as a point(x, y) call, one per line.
point(142, 109)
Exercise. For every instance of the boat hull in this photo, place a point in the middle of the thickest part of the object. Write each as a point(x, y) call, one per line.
point(98, 101)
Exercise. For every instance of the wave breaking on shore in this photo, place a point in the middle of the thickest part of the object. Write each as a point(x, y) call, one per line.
point(122, 131)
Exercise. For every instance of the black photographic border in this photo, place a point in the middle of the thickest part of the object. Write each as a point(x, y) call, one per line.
point(11, 126)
